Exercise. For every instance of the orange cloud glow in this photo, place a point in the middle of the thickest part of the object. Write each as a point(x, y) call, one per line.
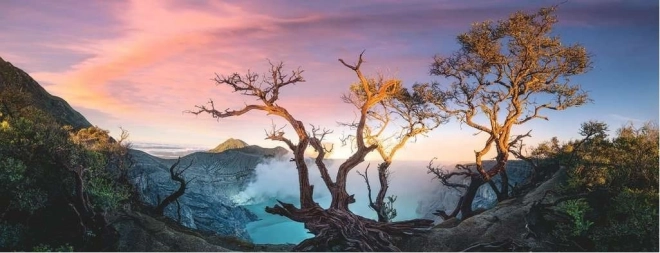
point(140, 63)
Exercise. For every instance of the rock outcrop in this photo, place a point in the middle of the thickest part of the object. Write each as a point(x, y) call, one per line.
point(214, 179)
point(14, 78)
point(503, 226)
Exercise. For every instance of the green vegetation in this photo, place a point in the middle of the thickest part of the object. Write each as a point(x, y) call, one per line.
point(615, 183)
point(56, 184)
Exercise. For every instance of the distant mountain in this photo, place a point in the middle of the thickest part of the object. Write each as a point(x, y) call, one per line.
point(241, 146)
point(14, 78)
point(230, 143)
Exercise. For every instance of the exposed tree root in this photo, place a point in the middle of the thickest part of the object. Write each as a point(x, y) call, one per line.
point(339, 230)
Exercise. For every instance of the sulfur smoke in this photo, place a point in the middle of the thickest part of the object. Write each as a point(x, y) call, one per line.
point(278, 179)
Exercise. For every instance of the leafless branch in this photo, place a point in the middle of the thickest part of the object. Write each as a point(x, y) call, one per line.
point(444, 175)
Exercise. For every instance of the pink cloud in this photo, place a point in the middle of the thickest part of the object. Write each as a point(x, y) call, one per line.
point(140, 63)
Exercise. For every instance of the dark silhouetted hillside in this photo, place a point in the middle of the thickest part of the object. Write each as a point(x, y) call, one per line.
point(12, 77)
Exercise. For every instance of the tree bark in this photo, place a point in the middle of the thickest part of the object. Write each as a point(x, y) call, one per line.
point(471, 192)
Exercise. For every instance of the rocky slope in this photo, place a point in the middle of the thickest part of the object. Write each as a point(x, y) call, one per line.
point(140, 233)
point(14, 78)
point(502, 227)
point(214, 179)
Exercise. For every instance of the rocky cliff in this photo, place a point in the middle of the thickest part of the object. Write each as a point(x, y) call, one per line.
point(14, 78)
point(214, 179)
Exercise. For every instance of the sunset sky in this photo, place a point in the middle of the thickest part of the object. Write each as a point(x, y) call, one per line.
point(139, 64)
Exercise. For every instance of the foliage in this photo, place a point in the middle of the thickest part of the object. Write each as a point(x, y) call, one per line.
point(633, 218)
point(47, 248)
point(619, 177)
point(106, 192)
point(577, 209)
point(390, 211)
point(10, 235)
point(38, 158)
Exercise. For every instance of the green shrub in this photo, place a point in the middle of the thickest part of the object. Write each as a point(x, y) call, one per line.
point(577, 209)
point(633, 223)
point(11, 235)
point(39, 162)
point(47, 248)
point(106, 193)
point(619, 177)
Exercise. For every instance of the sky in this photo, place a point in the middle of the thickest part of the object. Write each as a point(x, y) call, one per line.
point(139, 64)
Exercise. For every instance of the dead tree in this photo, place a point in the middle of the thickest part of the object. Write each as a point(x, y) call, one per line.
point(503, 72)
point(415, 115)
point(335, 228)
point(174, 197)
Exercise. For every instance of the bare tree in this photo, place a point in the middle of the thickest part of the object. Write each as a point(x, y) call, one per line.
point(335, 228)
point(391, 124)
point(502, 72)
point(176, 175)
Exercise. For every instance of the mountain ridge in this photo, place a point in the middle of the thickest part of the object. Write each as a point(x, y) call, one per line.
point(14, 78)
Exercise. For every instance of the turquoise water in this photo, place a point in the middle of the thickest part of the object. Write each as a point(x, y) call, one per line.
point(278, 180)
point(278, 229)
point(418, 195)
point(274, 228)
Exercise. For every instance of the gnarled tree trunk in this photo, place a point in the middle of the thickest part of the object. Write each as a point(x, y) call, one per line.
point(335, 228)
point(176, 176)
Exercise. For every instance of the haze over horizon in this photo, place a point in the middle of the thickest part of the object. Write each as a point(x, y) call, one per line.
point(139, 64)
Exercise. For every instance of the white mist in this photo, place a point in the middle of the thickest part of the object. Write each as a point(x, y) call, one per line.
point(278, 179)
